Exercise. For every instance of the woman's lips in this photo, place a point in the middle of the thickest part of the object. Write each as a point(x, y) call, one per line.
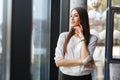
point(72, 22)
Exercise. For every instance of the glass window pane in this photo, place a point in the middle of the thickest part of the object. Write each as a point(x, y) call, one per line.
point(97, 19)
point(41, 38)
point(114, 71)
point(1, 22)
point(5, 37)
point(116, 35)
point(115, 3)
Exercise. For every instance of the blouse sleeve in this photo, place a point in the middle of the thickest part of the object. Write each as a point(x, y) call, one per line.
point(91, 48)
point(59, 47)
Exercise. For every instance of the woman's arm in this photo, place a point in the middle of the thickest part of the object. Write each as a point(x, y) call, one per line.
point(84, 59)
point(84, 53)
point(59, 57)
point(84, 50)
point(90, 63)
point(88, 51)
point(68, 62)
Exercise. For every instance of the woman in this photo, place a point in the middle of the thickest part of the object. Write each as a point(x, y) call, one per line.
point(74, 51)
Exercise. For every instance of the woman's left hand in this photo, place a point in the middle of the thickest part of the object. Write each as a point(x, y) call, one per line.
point(90, 64)
point(79, 31)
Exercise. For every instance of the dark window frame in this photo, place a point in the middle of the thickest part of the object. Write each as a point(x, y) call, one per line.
point(109, 39)
point(21, 30)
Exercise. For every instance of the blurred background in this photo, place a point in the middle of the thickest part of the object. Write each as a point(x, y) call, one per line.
point(29, 31)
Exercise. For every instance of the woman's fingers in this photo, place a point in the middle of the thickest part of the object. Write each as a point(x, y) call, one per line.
point(90, 63)
point(79, 31)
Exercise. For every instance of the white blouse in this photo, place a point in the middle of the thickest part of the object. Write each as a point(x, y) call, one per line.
point(73, 51)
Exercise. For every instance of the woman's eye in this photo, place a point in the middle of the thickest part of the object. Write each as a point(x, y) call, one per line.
point(76, 15)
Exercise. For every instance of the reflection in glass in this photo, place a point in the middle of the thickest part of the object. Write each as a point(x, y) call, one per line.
point(97, 19)
point(1, 22)
point(5, 38)
point(114, 71)
point(41, 39)
point(116, 3)
point(116, 35)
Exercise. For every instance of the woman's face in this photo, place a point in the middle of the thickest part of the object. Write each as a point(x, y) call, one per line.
point(74, 18)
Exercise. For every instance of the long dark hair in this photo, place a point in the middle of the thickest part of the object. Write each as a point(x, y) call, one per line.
point(84, 21)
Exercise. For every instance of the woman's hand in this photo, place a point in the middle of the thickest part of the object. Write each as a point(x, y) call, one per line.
point(90, 64)
point(79, 31)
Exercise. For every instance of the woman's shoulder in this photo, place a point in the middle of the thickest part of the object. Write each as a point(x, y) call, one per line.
point(93, 37)
point(64, 34)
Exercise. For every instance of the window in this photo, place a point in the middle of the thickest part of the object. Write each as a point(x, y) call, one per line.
point(116, 33)
point(115, 3)
point(41, 40)
point(5, 28)
point(97, 19)
point(1, 22)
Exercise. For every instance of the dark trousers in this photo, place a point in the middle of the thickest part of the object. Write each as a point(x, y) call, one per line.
point(85, 77)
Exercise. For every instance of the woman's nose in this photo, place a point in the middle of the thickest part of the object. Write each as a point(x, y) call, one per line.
point(72, 18)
